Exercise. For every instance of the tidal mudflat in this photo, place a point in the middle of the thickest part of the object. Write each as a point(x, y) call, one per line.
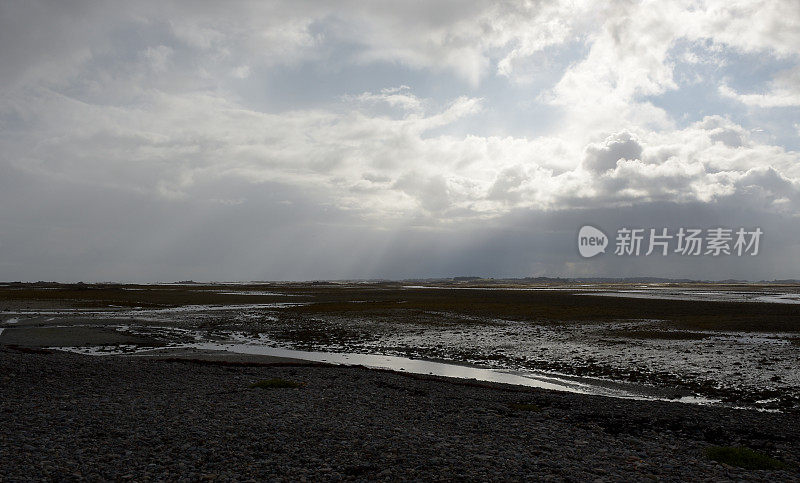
point(736, 345)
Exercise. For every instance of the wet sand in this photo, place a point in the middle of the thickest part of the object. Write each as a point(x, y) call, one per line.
point(221, 356)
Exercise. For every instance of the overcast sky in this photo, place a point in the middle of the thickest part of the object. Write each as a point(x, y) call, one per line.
point(158, 141)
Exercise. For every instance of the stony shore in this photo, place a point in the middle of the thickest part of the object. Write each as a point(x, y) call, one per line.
point(72, 417)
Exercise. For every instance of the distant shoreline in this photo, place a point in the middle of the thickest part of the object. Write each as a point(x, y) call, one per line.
point(497, 281)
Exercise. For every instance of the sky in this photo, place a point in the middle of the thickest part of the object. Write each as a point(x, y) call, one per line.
point(223, 141)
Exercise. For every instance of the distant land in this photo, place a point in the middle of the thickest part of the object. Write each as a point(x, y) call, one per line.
point(459, 280)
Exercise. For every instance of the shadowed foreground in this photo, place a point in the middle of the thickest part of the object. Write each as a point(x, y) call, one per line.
point(67, 416)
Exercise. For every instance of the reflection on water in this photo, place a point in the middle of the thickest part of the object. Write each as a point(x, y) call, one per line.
point(416, 366)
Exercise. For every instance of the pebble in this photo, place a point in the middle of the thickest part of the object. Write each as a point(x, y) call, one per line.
point(137, 419)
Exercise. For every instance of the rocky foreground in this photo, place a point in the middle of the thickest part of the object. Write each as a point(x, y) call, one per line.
point(71, 417)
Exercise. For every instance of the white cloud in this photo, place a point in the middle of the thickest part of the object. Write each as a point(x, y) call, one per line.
point(392, 96)
point(629, 59)
point(385, 166)
point(769, 26)
point(783, 91)
point(176, 101)
point(241, 72)
point(603, 157)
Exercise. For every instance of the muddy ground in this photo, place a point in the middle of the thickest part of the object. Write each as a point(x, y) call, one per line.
point(740, 353)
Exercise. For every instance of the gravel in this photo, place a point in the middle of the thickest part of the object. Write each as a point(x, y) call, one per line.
point(72, 417)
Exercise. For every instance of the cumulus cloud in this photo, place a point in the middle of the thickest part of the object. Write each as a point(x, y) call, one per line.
point(178, 141)
point(393, 124)
point(602, 157)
